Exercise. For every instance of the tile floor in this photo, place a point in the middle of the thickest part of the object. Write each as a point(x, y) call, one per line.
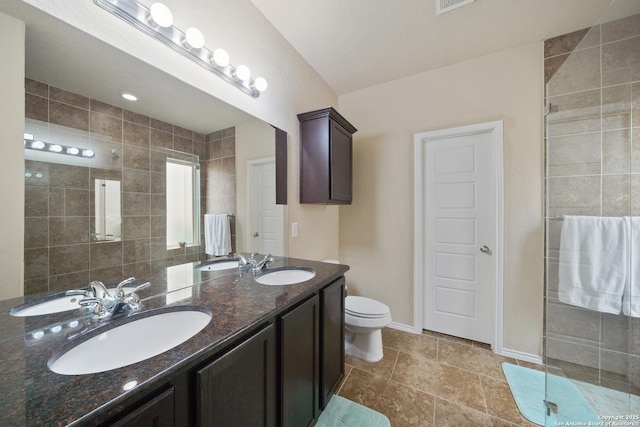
point(434, 380)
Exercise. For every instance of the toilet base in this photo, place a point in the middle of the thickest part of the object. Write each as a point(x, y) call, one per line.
point(365, 345)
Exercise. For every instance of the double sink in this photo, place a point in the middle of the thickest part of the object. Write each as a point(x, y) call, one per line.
point(140, 336)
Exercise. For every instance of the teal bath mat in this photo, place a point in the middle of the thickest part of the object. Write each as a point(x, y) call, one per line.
point(528, 389)
point(341, 412)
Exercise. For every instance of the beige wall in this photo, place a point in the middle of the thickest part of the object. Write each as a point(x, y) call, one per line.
point(12, 171)
point(239, 27)
point(376, 231)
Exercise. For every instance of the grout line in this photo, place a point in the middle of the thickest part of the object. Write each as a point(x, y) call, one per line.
point(395, 363)
point(484, 398)
point(435, 408)
point(344, 381)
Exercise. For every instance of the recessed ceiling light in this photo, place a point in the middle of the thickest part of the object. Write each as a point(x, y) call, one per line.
point(129, 96)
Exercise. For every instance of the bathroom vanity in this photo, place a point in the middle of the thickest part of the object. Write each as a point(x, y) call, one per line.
point(270, 356)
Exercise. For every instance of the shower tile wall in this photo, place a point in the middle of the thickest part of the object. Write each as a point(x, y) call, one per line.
point(59, 208)
point(593, 168)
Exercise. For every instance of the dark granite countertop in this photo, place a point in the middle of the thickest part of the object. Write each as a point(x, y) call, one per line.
point(32, 395)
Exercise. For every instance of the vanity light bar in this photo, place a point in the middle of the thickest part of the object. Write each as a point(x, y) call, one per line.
point(189, 44)
point(38, 145)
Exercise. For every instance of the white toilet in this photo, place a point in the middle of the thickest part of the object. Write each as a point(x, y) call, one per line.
point(364, 319)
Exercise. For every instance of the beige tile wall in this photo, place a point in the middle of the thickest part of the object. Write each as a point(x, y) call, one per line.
point(593, 168)
point(59, 211)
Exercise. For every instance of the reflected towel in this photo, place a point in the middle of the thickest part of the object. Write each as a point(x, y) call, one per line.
point(631, 298)
point(217, 234)
point(593, 262)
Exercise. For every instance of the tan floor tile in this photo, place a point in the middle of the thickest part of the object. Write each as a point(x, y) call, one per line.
point(447, 337)
point(383, 368)
point(440, 380)
point(472, 358)
point(500, 402)
point(403, 406)
point(421, 345)
point(417, 372)
point(347, 371)
point(449, 414)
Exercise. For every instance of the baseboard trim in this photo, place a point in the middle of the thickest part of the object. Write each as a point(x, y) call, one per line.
point(403, 327)
point(520, 355)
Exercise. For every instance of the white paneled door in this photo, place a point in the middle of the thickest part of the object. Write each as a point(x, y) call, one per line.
point(459, 230)
point(266, 218)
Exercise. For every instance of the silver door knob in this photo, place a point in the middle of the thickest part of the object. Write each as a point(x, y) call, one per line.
point(485, 249)
point(255, 234)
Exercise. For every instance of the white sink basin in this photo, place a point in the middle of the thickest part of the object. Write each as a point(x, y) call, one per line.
point(55, 304)
point(285, 276)
point(131, 341)
point(218, 265)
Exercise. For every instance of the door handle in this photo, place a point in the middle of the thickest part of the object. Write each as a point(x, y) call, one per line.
point(255, 234)
point(485, 249)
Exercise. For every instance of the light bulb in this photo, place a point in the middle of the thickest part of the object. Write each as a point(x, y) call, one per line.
point(73, 150)
point(38, 145)
point(161, 15)
point(88, 153)
point(243, 72)
point(194, 38)
point(55, 148)
point(260, 84)
point(221, 57)
point(28, 174)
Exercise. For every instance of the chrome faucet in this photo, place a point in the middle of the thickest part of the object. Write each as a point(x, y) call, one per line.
point(262, 264)
point(106, 304)
point(252, 264)
point(244, 261)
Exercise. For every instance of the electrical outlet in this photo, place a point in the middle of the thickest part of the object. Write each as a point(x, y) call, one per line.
point(294, 229)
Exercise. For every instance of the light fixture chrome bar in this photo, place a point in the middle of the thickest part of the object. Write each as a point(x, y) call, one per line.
point(139, 16)
point(47, 147)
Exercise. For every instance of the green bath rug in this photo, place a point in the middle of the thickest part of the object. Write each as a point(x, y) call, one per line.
point(341, 412)
point(528, 389)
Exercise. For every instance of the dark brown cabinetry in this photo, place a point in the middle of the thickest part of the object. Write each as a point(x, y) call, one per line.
point(300, 364)
point(281, 374)
point(157, 412)
point(325, 157)
point(312, 361)
point(332, 339)
point(239, 388)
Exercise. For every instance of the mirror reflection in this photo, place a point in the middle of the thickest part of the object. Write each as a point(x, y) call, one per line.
point(158, 166)
point(108, 221)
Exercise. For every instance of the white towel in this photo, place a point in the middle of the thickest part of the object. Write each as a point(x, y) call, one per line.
point(631, 298)
point(593, 262)
point(217, 234)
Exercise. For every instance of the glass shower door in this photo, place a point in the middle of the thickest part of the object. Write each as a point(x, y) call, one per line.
point(592, 254)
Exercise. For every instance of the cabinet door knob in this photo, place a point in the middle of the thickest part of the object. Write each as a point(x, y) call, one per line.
point(485, 249)
point(255, 234)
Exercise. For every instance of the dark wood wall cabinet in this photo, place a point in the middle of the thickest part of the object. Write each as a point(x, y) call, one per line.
point(281, 373)
point(325, 157)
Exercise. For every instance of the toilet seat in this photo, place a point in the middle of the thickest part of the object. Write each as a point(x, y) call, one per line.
point(365, 308)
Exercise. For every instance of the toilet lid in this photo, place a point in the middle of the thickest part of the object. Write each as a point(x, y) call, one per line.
point(365, 307)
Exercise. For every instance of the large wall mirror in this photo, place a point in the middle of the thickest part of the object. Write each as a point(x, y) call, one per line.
point(115, 188)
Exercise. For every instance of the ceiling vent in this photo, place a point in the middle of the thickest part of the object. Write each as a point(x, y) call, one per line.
point(443, 6)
